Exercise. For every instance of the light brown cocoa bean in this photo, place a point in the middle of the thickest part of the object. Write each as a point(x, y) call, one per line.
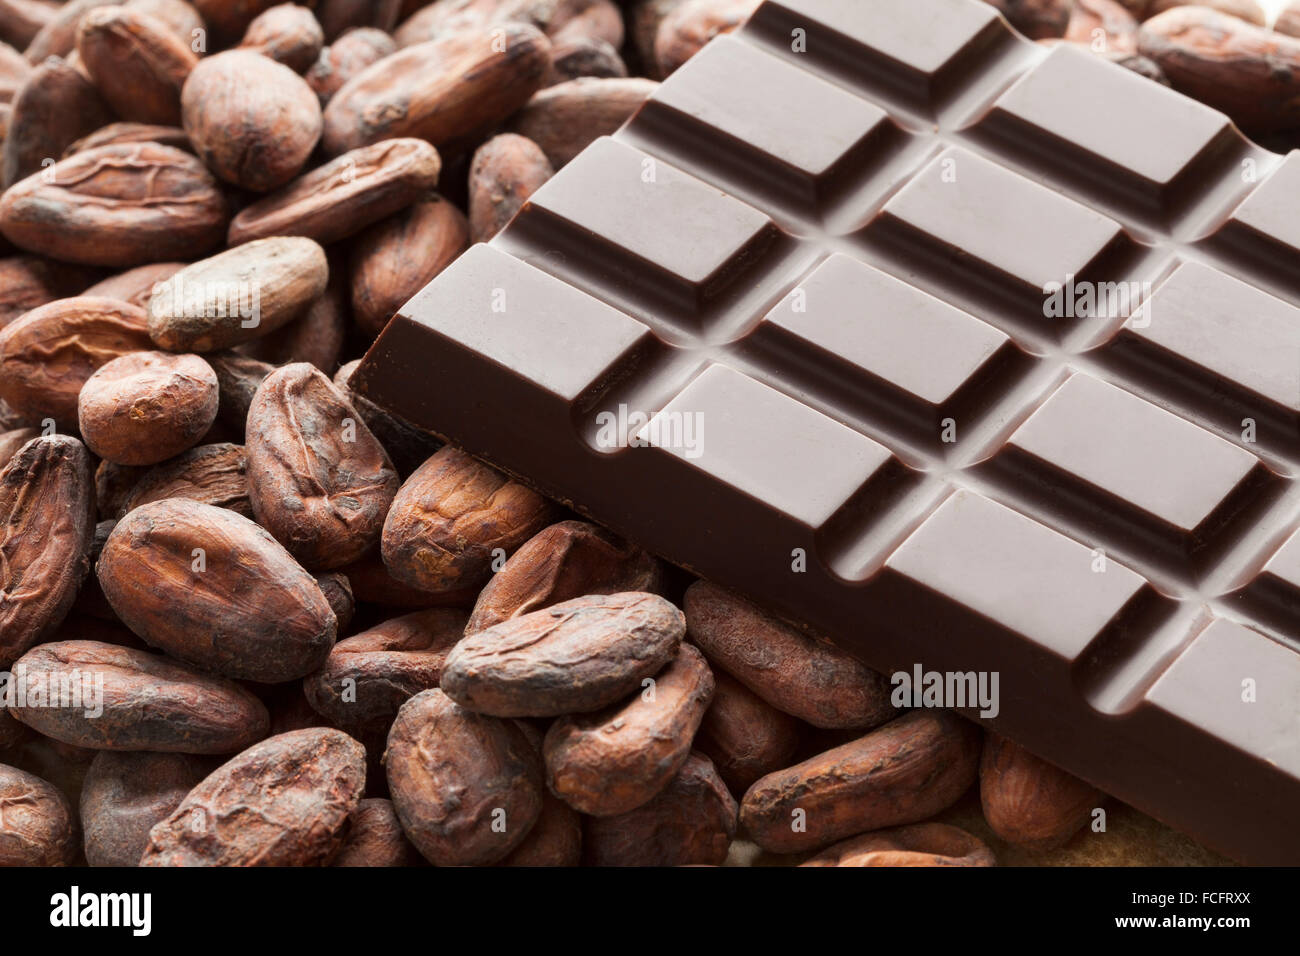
point(565, 119)
point(1288, 21)
point(690, 822)
point(1249, 73)
point(451, 516)
point(685, 30)
point(1103, 26)
point(646, 16)
point(921, 844)
point(506, 170)
point(46, 524)
point(146, 407)
point(375, 838)
point(253, 121)
point(1247, 10)
point(30, 281)
point(407, 446)
point(565, 561)
point(448, 17)
point(280, 628)
point(345, 58)
point(55, 107)
point(181, 18)
point(447, 91)
point(59, 36)
point(618, 758)
point(554, 840)
point(587, 19)
point(396, 258)
point(345, 195)
point(317, 478)
point(744, 736)
point(118, 133)
point(368, 677)
point(238, 295)
point(466, 787)
point(122, 205)
point(38, 827)
point(133, 700)
point(126, 794)
point(283, 802)
point(372, 584)
point(288, 34)
point(571, 658)
point(137, 62)
point(47, 355)
point(903, 772)
point(797, 674)
point(21, 20)
point(137, 285)
point(1029, 802)
point(212, 474)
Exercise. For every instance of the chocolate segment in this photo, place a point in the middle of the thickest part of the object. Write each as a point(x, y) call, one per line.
point(971, 355)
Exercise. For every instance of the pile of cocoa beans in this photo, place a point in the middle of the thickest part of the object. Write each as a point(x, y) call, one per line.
point(249, 618)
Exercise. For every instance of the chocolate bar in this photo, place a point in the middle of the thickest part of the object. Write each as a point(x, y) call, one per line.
point(962, 351)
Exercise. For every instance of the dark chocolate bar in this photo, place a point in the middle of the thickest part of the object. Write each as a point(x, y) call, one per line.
point(962, 351)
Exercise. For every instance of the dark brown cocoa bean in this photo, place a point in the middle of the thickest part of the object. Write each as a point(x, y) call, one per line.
point(146, 407)
point(27, 282)
point(343, 196)
point(571, 658)
point(238, 378)
point(55, 107)
point(346, 57)
point(1036, 19)
point(21, 20)
point(12, 441)
point(37, 827)
point(284, 802)
point(921, 844)
point(744, 736)
point(126, 794)
point(554, 840)
point(446, 91)
point(691, 822)
point(316, 337)
point(396, 258)
point(229, 19)
point(123, 205)
point(368, 677)
point(567, 560)
point(212, 474)
point(46, 524)
point(338, 16)
point(372, 584)
point(338, 592)
point(903, 772)
point(797, 674)
point(618, 758)
point(108, 697)
point(466, 787)
point(137, 62)
point(506, 170)
point(452, 518)
point(375, 838)
point(317, 478)
point(171, 570)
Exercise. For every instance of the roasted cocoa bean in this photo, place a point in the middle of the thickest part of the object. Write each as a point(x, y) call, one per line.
point(565, 119)
point(1036, 19)
point(797, 674)
point(137, 285)
point(171, 569)
point(618, 758)
point(118, 133)
point(744, 736)
point(583, 56)
point(133, 700)
point(27, 282)
point(466, 787)
point(571, 658)
point(288, 34)
point(146, 407)
point(451, 516)
point(46, 524)
point(229, 19)
point(554, 840)
point(685, 31)
point(346, 57)
point(38, 827)
point(59, 36)
point(903, 772)
point(691, 822)
point(338, 592)
point(284, 802)
point(238, 378)
point(55, 107)
point(1029, 802)
point(506, 170)
point(368, 677)
point(375, 838)
point(921, 844)
point(372, 584)
point(126, 794)
point(123, 205)
point(343, 196)
point(21, 20)
point(137, 62)
point(212, 474)
point(316, 337)
point(317, 478)
point(238, 295)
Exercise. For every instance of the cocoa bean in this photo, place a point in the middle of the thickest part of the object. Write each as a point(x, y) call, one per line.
point(21, 20)
point(238, 378)
point(903, 772)
point(288, 34)
point(317, 337)
point(506, 170)
point(345, 58)
point(59, 36)
point(466, 787)
point(372, 584)
point(118, 133)
point(55, 107)
point(126, 794)
point(212, 474)
point(451, 516)
point(1247, 10)
point(339, 16)
point(133, 700)
point(284, 802)
point(137, 285)
point(1036, 19)
point(317, 478)
point(37, 827)
point(574, 657)
point(338, 592)
point(375, 838)
point(30, 281)
point(1029, 802)
point(137, 62)
point(554, 840)
point(14, 68)
point(565, 119)
point(685, 31)
point(170, 569)
point(744, 736)
point(12, 441)
point(583, 56)
point(921, 844)
point(229, 19)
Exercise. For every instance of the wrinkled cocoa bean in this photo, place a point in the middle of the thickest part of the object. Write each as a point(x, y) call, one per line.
point(37, 827)
point(212, 474)
point(288, 34)
point(126, 794)
point(55, 107)
point(375, 838)
point(565, 119)
point(137, 62)
point(346, 57)
point(744, 736)
point(506, 170)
